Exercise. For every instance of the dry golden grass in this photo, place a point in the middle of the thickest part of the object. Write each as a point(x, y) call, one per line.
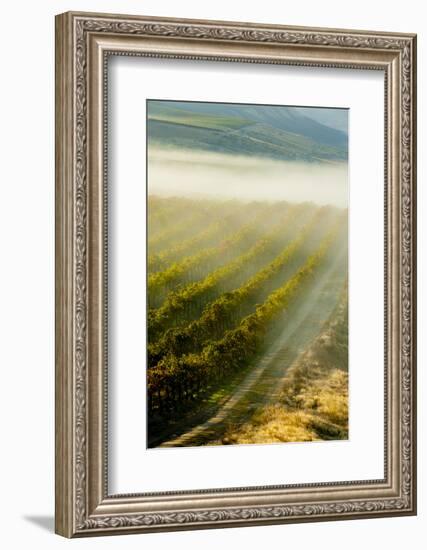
point(274, 425)
point(328, 397)
point(314, 403)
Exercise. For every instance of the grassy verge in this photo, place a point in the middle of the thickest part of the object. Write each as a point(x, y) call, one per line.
point(313, 404)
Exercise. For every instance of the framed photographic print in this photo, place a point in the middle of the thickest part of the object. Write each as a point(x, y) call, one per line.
point(235, 274)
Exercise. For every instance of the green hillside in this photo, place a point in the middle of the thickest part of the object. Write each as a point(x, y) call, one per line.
point(243, 130)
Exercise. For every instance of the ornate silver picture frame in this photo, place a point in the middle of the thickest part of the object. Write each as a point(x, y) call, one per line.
point(84, 505)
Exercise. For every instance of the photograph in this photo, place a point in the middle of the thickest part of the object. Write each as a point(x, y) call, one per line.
point(247, 273)
point(235, 271)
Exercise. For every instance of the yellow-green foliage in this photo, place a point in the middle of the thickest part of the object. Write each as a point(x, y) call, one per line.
point(212, 318)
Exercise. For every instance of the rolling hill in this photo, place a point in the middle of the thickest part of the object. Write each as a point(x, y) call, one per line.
point(276, 132)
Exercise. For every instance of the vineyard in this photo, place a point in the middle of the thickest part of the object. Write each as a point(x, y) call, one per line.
point(224, 279)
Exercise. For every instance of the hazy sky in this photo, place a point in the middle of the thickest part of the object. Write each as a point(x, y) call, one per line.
point(334, 118)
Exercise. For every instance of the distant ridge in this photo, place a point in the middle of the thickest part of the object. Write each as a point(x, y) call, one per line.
point(276, 132)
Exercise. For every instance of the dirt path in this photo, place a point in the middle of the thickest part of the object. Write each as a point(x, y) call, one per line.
point(264, 382)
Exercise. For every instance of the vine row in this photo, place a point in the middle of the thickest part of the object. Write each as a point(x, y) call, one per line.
point(173, 381)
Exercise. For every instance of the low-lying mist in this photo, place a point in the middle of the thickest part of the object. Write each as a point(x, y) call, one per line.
point(179, 172)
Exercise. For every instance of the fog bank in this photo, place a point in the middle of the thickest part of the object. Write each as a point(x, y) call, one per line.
point(175, 172)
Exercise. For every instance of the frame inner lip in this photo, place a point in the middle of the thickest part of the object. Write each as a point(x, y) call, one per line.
point(215, 492)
